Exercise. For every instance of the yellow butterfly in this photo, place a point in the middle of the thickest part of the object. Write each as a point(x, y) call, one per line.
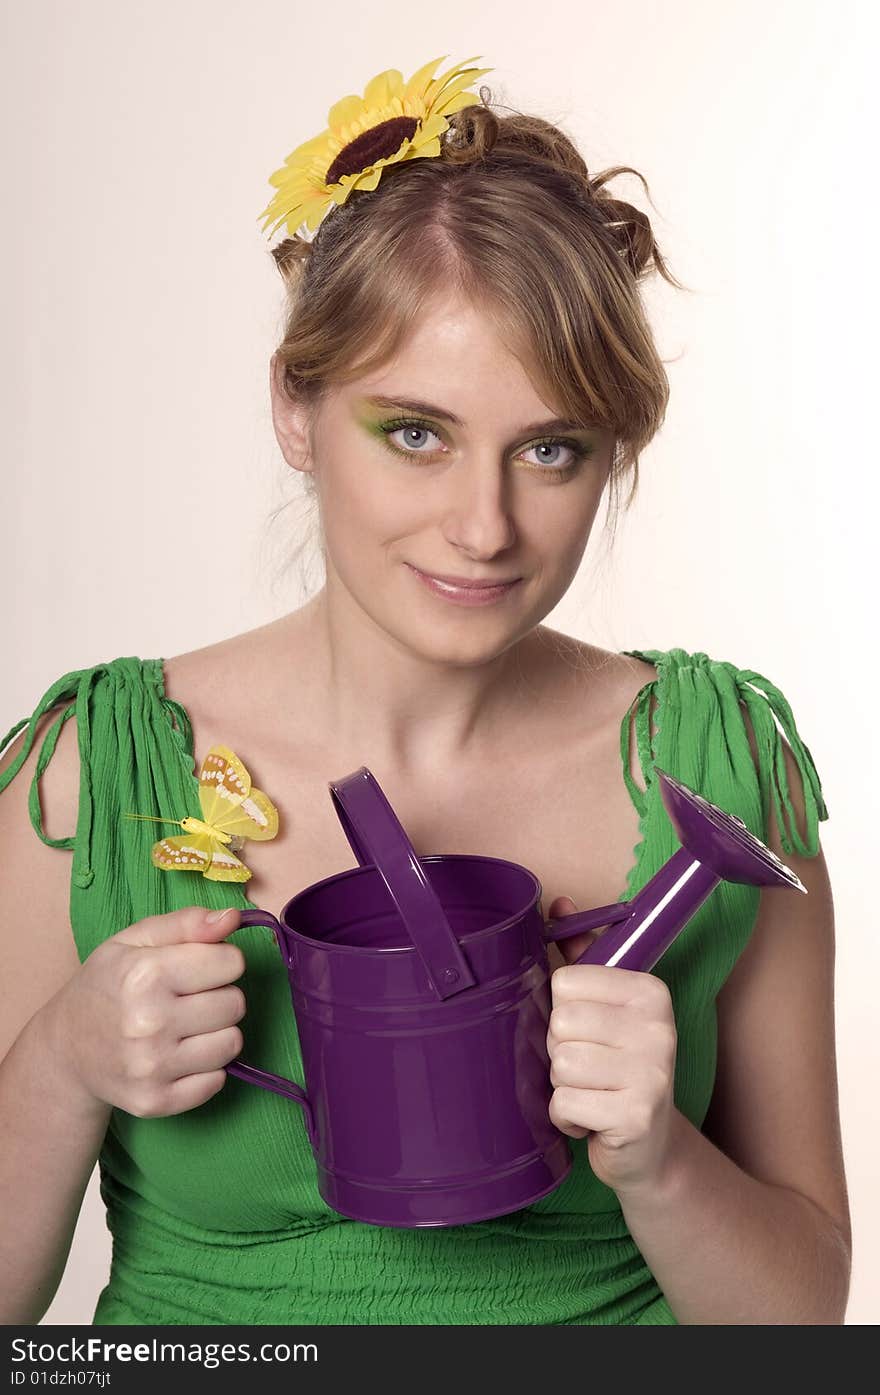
point(232, 811)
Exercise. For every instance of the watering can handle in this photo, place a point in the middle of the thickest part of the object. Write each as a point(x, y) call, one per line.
point(377, 838)
point(564, 926)
point(627, 940)
point(266, 1079)
point(603, 948)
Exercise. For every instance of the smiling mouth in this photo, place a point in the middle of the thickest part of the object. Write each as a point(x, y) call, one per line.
point(465, 583)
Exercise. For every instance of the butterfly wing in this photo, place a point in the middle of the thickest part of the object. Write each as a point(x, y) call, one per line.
point(223, 784)
point(189, 852)
point(197, 852)
point(228, 800)
point(256, 817)
point(226, 867)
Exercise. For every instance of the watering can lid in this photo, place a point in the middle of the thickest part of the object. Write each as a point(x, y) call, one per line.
point(378, 839)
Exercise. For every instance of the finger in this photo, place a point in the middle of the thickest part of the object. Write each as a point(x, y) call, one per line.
point(174, 927)
point(208, 1052)
point(604, 1024)
point(589, 1066)
point(602, 984)
point(193, 1090)
point(194, 968)
point(195, 1013)
point(593, 1111)
point(572, 948)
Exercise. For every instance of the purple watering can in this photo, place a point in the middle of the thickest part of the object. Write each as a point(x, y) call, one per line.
point(421, 993)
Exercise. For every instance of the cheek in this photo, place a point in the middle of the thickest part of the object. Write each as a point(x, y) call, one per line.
point(363, 508)
point(352, 496)
point(560, 525)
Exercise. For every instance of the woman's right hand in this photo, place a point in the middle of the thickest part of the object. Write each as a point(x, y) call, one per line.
point(148, 1022)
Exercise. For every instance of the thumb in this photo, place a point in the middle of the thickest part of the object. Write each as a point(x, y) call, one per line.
point(561, 905)
point(572, 948)
point(177, 927)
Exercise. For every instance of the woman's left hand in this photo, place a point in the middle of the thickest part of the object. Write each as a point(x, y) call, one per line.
point(612, 1041)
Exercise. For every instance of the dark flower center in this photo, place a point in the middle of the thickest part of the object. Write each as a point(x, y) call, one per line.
point(375, 144)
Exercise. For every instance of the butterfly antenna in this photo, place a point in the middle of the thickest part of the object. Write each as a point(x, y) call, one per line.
point(151, 818)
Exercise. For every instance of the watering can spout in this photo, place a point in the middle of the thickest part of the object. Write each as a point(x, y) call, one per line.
point(722, 840)
point(641, 930)
point(716, 846)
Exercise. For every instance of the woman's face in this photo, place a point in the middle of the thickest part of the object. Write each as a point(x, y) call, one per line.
point(492, 496)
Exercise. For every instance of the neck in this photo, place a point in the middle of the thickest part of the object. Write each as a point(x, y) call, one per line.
point(373, 694)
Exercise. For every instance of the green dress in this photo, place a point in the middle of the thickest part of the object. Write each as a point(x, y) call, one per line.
point(215, 1213)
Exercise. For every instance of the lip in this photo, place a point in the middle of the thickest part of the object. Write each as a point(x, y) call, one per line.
point(468, 593)
point(462, 583)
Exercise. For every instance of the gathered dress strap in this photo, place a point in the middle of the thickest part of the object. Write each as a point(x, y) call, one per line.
point(764, 708)
point(642, 704)
point(76, 684)
point(705, 706)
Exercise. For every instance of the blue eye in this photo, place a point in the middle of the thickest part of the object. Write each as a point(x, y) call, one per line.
point(576, 453)
point(411, 429)
point(414, 428)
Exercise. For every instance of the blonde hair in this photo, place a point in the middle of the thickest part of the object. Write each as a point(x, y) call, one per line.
point(509, 215)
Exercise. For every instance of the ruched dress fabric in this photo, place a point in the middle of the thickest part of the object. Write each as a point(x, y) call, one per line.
point(215, 1214)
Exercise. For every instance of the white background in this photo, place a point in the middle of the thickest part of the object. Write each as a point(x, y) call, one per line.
point(141, 308)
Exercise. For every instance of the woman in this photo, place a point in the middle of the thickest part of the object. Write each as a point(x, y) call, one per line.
point(466, 367)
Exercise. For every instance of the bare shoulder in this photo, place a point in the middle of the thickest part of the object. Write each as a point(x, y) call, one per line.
point(598, 687)
point(605, 674)
point(239, 676)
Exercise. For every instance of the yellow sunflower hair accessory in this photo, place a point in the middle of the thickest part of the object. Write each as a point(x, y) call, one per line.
point(392, 122)
point(232, 811)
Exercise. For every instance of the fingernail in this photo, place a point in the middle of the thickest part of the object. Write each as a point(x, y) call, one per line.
point(216, 916)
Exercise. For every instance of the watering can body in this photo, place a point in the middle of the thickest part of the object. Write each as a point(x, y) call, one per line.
point(421, 993)
point(424, 1111)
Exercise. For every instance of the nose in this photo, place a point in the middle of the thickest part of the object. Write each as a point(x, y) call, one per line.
point(479, 520)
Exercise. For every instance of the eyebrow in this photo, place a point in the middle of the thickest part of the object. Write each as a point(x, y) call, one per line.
point(408, 404)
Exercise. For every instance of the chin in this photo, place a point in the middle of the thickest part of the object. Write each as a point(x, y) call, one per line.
point(457, 643)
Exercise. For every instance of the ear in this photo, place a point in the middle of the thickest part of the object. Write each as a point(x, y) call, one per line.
point(291, 421)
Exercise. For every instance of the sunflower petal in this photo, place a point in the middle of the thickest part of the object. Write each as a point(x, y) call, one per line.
point(370, 179)
point(303, 153)
point(432, 147)
point(316, 213)
point(466, 79)
point(456, 103)
point(420, 80)
point(380, 89)
point(345, 110)
point(457, 71)
point(434, 126)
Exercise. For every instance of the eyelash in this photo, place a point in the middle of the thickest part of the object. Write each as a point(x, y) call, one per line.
point(579, 451)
